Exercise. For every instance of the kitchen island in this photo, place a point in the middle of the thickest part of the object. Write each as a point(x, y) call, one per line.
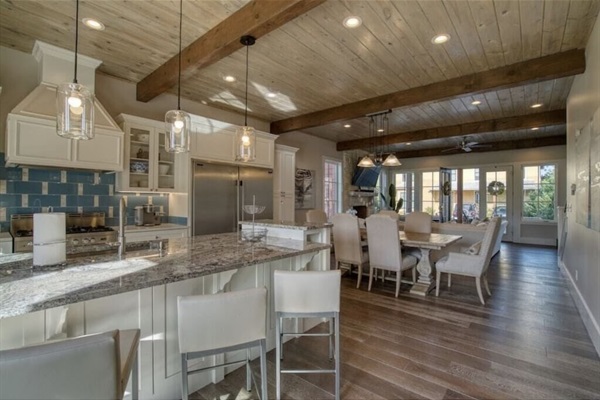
point(103, 292)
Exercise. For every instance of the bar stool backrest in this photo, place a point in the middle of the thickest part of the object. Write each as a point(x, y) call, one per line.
point(220, 320)
point(307, 291)
point(85, 367)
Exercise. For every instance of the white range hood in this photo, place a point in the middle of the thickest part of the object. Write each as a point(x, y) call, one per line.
point(31, 137)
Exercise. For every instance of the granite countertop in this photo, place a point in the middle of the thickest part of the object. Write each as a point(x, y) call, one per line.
point(288, 224)
point(24, 289)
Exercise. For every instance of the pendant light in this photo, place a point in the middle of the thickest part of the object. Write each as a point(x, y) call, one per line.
point(177, 122)
point(245, 135)
point(75, 103)
point(391, 160)
point(367, 161)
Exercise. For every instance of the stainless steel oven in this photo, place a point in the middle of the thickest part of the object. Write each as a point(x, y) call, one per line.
point(82, 230)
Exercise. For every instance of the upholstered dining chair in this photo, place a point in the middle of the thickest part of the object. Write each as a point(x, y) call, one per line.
point(468, 264)
point(389, 213)
point(316, 216)
point(418, 222)
point(347, 243)
point(94, 366)
point(385, 251)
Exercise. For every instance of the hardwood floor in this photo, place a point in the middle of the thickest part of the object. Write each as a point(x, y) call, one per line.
point(527, 342)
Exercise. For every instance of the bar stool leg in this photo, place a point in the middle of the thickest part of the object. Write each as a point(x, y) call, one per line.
point(264, 394)
point(278, 355)
point(184, 377)
point(134, 379)
point(337, 356)
point(248, 372)
point(331, 333)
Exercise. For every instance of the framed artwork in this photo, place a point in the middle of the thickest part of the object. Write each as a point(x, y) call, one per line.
point(305, 196)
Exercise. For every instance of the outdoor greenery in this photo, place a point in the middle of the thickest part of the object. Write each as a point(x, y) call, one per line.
point(538, 197)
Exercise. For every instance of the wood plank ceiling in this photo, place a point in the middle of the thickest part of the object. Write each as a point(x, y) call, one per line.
point(314, 63)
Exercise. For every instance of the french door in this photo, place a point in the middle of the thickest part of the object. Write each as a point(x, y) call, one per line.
point(496, 188)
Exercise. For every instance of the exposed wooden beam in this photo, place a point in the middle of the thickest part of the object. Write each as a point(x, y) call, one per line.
point(554, 66)
point(495, 146)
point(257, 18)
point(542, 119)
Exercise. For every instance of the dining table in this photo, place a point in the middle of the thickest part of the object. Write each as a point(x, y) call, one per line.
point(426, 242)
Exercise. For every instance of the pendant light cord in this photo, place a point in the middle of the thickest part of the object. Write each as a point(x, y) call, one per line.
point(76, 39)
point(246, 109)
point(179, 74)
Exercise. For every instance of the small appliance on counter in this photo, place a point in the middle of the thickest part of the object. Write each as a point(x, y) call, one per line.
point(147, 215)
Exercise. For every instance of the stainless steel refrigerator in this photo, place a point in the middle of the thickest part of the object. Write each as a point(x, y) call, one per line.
point(221, 191)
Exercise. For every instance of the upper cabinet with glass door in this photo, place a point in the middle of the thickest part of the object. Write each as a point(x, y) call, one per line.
point(148, 166)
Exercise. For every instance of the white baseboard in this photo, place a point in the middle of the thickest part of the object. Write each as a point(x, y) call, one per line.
point(586, 315)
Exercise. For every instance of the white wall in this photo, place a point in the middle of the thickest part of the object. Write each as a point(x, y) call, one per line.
point(310, 156)
point(582, 250)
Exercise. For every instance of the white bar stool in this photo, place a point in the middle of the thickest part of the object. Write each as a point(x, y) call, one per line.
point(308, 294)
point(86, 367)
point(217, 323)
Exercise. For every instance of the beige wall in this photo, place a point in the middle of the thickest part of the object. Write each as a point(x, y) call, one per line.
point(310, 155)
point(582, 250)
point(18, 77)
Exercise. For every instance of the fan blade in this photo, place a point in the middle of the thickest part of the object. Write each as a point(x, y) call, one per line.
point(467, 149)
point(481, 145)
point(469, 144)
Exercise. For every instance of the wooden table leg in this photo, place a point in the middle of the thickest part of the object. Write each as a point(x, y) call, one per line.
point(425, 282)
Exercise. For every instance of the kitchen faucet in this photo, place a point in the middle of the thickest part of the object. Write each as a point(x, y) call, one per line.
point(122, 223)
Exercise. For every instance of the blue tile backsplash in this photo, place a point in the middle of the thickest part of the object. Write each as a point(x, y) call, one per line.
point(32, 190)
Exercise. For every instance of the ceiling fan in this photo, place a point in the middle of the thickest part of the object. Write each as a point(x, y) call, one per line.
point(465, 146)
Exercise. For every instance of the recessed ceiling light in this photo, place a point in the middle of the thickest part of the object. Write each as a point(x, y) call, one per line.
point(380, 130)
point(347, 126)
point(408, 143)
point(439, 39)
point(93, 24)
point(476, 102)
point(229, 78)
point(352, 22)
point(535, 128)
point(537, 105)
point(271, 94)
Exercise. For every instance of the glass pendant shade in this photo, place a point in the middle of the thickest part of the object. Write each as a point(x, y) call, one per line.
point(177, 139)
point(392, 161)
point(366, 162)
point(75, 112)
point(245, 138)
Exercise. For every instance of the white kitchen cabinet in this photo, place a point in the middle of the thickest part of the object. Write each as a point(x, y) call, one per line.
point(284, 183)
point(214, 140)
point(142, 234)
point(148, 166)
point(33, 141)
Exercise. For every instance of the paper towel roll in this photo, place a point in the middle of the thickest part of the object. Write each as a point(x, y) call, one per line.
point(49, 239)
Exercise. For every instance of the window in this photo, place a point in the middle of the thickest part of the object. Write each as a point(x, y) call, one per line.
point(332, 187)
point(404, 190)
point(539, 190)
point(470, 194)
point(430, 192)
